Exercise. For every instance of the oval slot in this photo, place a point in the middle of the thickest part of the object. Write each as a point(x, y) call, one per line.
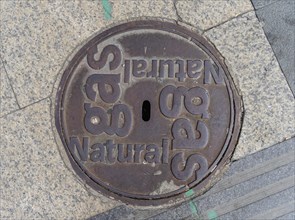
point(146, 110)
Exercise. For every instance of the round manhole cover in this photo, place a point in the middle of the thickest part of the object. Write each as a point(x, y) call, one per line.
point(147, 111)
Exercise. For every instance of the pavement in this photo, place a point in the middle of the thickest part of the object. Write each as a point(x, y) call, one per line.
point(255, 38)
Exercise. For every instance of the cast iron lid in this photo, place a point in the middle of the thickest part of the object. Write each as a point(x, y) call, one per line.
point(146, 111)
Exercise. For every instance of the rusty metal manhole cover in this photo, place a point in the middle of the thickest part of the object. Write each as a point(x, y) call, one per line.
point(147, 111)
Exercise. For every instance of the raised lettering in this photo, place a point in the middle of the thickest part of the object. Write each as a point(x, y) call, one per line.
point(212, 72)
point(196, 101)
point(153, 154)
point(180, 74)
point(170, 66)
point(127, 120)
point(138, 149)
point(176, 101)
point(96, 120)
point(127, 71)
point(194, 68)
point(108, 50)
point(137, 68)
point(103, 81)
point(110, 146)
point(98, 115)
point(121, 155)
point(77, 149)
point(153, 72)
point(98, 155)
point(195, 164)
point(184, 135)
point(165, 150)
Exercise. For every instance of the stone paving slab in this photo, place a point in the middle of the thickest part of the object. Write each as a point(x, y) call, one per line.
point(262, 3)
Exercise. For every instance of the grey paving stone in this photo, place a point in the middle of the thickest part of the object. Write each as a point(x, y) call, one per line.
point(261, 156)
point(174, 213)
point(144, 214)
point(269, 203)
point(127, 213)
point(278, 211)
point(207, 14)
point(247, 187)
point(279, 27)
point(117, 213)
point(34, 181)
point(262, 3)
point(268, 101)
point(8, 101)
point(290, 216)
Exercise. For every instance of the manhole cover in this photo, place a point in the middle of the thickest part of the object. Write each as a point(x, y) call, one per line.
point(147, 111)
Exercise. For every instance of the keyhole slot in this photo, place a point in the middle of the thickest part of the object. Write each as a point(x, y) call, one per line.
point(146, 110)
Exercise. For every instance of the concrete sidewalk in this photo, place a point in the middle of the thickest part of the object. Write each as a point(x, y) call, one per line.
point(38, 36)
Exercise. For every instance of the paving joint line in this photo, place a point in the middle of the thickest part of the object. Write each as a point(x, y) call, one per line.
point(254, 196)
point(180, 19)
point(243, 176)
point(265, 6)
point(22, 108)
point(10, 84)
point(276, 212)
point(282, 215)
point(230, 19)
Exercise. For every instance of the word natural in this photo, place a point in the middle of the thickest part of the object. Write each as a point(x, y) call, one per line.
point(109, 153)
point(139, 68)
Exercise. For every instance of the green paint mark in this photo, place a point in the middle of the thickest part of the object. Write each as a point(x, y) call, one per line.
point(189, 193)
point(107, 9)
point(192, 205)
point(212, 215)
point(193, 208)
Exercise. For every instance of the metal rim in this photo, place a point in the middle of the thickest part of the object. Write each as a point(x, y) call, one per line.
point(209, 49)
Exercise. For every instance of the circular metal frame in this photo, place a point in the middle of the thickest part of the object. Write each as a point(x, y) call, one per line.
point(235, 106)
